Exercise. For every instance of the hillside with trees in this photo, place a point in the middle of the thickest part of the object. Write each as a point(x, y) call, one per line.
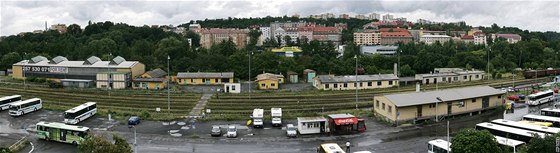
point(151, 46)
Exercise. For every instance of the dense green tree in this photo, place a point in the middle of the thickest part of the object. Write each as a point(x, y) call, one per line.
point(98, 144)
point(9, 59)
point(541, 145)
point(474, 141)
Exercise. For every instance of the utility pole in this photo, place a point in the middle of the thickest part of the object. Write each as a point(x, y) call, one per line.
point(24, 68)
point(108, 75)
point(448, 146)
point(488, 63)
point(168, 86)
point(250, 84)
point(356, 77)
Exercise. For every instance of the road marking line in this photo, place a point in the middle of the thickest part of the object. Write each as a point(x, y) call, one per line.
point(32, 147)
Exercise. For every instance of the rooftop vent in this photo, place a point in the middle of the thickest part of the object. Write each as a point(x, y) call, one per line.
point(38, 59)
point(117, 60)
point(58, 59)
point(91, 60)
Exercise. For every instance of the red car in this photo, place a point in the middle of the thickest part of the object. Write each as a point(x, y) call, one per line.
point(513, 98)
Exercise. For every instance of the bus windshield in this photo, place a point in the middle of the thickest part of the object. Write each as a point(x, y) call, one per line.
point(14, 108)
point(68, 115)
point(532, 98)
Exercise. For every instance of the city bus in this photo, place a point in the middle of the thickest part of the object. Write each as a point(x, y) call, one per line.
point(439, 146)
point(550, 112)
point(330, 148)
point(547, 130)
point(554, 120)
point(27, 106)
point(540, 97)
point(53, 131)
point(508, 132)
point(509, 144)
point(545, 124)
point(7, 100)
point(80, 113)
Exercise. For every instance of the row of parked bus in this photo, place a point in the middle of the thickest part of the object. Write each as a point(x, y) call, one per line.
point(513, 134)
point(66, 132)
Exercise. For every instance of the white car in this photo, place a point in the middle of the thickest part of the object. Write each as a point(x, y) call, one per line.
point(291, 130)
point(231, 131)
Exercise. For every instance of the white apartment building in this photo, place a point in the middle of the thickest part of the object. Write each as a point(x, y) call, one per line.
point(430, 39)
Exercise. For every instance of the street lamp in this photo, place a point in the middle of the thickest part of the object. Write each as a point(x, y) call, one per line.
point(108, 74)
point(488, 63)
point(356, 77)
point(24, 68)
point(168, 86)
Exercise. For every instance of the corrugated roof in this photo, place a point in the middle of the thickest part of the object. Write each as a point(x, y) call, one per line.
point(417, 98)
point(335, 116)
point(183, 75)
point(149, 79)
point(352, 78)
point(269, 76)
point(100, 64)
point(156, 73)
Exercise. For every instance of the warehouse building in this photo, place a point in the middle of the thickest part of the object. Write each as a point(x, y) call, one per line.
point(61, 68)
point(449, 75)
point(348, 82)
point(417, 106)
point(204, 78)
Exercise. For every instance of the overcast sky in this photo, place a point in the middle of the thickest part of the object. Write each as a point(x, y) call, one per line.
point(26, 16)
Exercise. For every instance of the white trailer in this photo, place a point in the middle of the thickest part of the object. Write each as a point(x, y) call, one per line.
point(258, 117)
point(312, 125)
point(276, 114)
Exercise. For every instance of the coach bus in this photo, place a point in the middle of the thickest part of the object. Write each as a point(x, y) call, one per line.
point(330, 148)
point(439, 146)
point(508, 132)
point(545, 124)
point(550, 112)
point(509, 144)
point(539, 118)
point(26, 106)
point(6, 101)
point(540, 97)
point(80, 113)
point(513, 124)
point(53, 131)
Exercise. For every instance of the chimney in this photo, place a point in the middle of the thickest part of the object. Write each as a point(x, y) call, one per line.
point(417, 86)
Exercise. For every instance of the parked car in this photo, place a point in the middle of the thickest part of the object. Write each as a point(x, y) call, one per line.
point(231, 131)
point(134, 120)
point(216, 131)
point(513, 98)
point(291, 130)
point(521, 96)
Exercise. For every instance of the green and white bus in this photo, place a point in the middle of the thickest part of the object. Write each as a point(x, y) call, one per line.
point(61, 132)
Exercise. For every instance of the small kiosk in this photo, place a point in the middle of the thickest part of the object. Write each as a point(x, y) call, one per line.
point(312, 125)
point(342, 123)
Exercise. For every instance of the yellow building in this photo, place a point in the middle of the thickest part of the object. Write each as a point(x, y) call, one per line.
point(288, 51)
point(154, 79)
point(348, 82)
point(204, 78)
point(417, 106)
point(268, 81)
point(61, 68)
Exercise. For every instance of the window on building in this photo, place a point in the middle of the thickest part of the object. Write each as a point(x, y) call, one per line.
point(377, 103)
point(383, 106)
point(369, 84)
point(192, 80)
point(326, 85)
point(233, 87)
point(500, 97)
point(378, 83)
point(390, 82)
point(476, 76)
point(361, 84)
point(215, 80)
point(272, 84)
point(345, 85)
point(461, 104)
point(432, 105)
point(336, 85)
point(455, 78)
point(389, 109)
point(473, 100)
point(263, 85)
point(465, 77)
point(444, 79)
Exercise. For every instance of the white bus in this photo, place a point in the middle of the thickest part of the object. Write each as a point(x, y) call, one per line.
point(540, 97)
point(539, 118)
point(439, 146)
point(508, 132)
point(507, 144)
point(26, 106)
point(330, 148)
point(6, 101)
point(80, 113)
point(513, 124)
point(550, 112)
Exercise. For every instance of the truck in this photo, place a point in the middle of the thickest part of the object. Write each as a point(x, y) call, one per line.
point(258, 117)
point(276, 114)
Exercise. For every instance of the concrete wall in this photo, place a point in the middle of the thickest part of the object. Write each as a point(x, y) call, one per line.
point(408, 113)
point(350, 85)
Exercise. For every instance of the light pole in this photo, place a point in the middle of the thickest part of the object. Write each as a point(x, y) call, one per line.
point(135, 144)
point(250, 84)
point(168, 86)
point(488, 63)
point(356, 77)
point(108, 74)
point(24, 68)
point(439, 100)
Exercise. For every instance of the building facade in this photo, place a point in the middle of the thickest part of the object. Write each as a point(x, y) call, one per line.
point(61, 68)
point(153, 79)
point(60, 28)
point(367, 37)
point(208, 37)
point(430, 39)
point(449, 75)
point(269, 81)
point(510, 38)
point(417, 106)
point(327, 82)
point(383, 50)
point(113, 80)
point(204, 78)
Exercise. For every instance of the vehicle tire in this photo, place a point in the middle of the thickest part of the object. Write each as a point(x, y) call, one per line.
point(21, 113)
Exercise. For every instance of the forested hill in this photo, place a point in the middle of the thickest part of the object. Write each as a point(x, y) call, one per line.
point(152, 45)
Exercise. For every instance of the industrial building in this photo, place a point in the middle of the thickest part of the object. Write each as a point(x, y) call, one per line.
point(348, 82)
point(61, 68)
point(417, 106)
point(449, 75)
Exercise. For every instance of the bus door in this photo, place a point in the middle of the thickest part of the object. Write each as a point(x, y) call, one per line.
point(53, 133)
point(62, 135)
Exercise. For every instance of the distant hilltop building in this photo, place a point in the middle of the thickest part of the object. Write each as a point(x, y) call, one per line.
point(217, 35)
point(61, 28)
point(305, 30)
point(510, 38)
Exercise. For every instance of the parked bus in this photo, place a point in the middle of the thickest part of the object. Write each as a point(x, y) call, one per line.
point(509, 144)
point(508, 132)
point(6, 101)
point(26, 106)
point(550, 112)
point(540, 97)
point(554, 120)
point(439, 146)
point(544, 124)
point(547, 130)
point(80, 113)
point(53, 131)
point(330, 148)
